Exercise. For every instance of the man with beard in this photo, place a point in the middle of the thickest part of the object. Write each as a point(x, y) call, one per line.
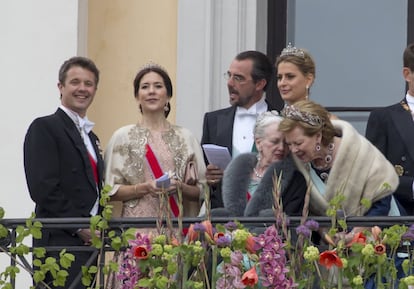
point(247, 79)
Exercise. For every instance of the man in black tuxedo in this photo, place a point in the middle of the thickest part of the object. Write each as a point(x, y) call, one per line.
point(63, 163)
point(391, 129)
point(247, 79)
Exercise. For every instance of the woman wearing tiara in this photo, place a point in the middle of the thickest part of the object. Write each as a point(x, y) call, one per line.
point(244, 173)
point(338, 160)
point(295, 74)
point(138, 154)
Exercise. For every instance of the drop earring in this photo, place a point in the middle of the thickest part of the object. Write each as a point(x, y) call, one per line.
point(166, 108)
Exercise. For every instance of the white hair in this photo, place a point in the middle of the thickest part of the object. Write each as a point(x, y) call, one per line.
point(264, 120)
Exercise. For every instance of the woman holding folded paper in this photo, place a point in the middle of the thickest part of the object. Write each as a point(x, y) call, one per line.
point(139, 154)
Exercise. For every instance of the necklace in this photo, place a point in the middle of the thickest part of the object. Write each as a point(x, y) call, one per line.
point(328, 158)
point(257, 173)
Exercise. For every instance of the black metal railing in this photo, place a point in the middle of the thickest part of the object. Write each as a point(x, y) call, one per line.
point(122, 224)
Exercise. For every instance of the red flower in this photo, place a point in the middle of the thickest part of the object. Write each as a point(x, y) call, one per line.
point(218, 235)
point(250, 277)
point(140, 252)
point(329, 259)
point(250, 244)
point(358, 238)
point(379, 249)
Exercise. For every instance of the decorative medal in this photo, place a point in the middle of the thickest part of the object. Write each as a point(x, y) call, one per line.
point(399, 169)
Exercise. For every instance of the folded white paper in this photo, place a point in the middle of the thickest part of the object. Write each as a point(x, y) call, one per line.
point(217, 155)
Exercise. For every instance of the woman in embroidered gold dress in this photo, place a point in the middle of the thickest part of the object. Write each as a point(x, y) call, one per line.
point(132, 172)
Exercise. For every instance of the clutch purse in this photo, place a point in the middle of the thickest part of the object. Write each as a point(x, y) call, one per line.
point(191, 173)
point(191, 208)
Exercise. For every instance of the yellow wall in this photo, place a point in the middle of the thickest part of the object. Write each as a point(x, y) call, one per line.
point(122, 36)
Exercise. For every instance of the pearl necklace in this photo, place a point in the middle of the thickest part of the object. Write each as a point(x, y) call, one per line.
point(257, 173)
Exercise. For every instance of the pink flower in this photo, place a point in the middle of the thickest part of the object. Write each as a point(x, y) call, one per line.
point(376, 231)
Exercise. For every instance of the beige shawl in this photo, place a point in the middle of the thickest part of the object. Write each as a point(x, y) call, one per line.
point(359, 171)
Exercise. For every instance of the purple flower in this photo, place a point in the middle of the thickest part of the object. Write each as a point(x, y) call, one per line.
point(272, 259)
point(231, 226)
point(304, 231)
point(236, 257)
point(312, 225)
point(198, 227)
point(223, 241)
point(408, 236)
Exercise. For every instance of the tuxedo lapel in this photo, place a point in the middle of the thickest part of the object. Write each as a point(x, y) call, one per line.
point(73, 133)
point(224, 124)
point(404, 123)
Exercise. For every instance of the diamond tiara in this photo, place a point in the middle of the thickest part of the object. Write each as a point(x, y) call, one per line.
point(293, 113)
point(151, 64)
point(292, 50)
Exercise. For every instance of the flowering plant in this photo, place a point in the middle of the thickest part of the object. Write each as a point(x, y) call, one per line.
point(223, 257)
point(230, 256)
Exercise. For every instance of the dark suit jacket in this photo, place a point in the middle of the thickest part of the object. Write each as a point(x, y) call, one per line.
point(60, 179)
point(58, 172)
point(218, 129)
point(391, 130)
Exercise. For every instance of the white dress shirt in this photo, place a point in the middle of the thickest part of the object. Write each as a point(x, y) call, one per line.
point(243, 126)
point(84, 126)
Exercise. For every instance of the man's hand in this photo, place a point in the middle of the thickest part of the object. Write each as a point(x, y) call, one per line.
point(213, 175)
point(86, 235)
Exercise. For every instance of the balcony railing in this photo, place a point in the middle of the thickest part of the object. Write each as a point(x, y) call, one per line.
point(121, 224)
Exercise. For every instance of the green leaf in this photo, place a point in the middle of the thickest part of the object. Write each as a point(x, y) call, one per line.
point(3, 231)
point(95, 220)
point(116, 243)
point(1, 213)
point(37, 262)
point(86, 280)
point(162, 282)
point(50, 261)
point(93, 270)
point(22, 250)
point(144, 282)
point(36, 232)
point(114, 266)
point(39, 276)
point(39, 252)
point(366, 203)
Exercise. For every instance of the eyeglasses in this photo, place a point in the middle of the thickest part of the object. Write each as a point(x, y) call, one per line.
point(237, 78)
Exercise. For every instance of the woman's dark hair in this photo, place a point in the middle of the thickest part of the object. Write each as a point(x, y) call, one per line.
point(152, 67)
